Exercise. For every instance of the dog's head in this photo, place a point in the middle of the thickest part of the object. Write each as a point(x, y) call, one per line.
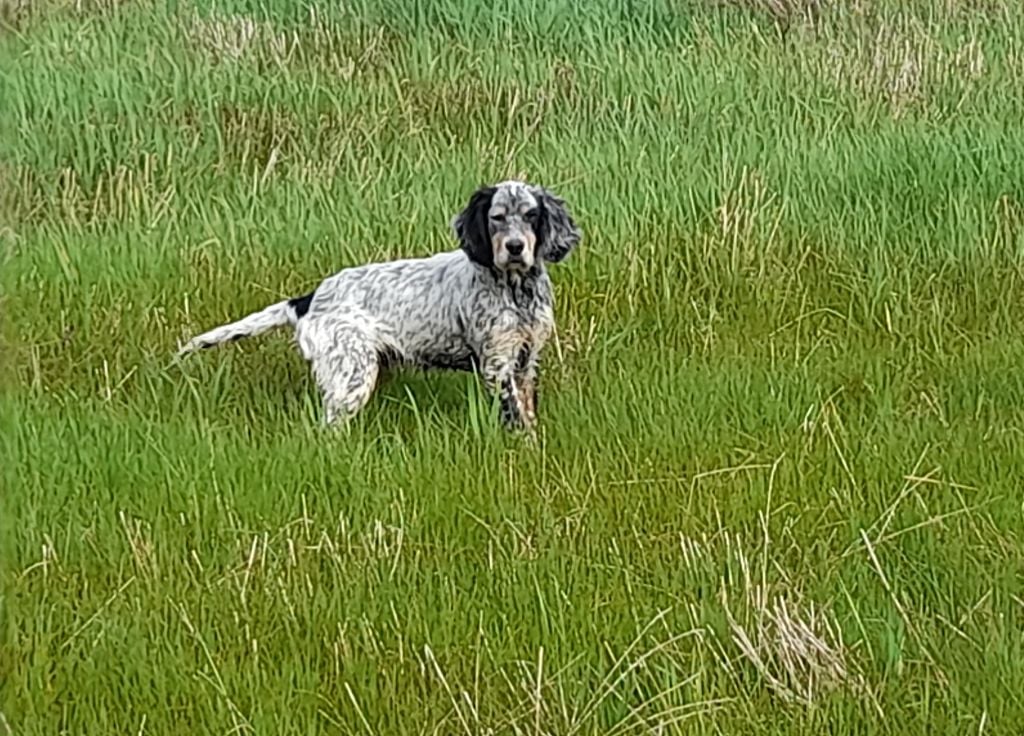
point(513, 226)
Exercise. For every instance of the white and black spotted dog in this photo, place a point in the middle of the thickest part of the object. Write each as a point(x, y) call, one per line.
point(485, 307)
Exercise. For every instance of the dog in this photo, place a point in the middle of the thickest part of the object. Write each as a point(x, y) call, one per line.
point(486, 306)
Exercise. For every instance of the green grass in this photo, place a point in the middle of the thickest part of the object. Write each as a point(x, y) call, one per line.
point(785, 390)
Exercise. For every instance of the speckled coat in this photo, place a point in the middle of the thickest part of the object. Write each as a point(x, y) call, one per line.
point(487, 306)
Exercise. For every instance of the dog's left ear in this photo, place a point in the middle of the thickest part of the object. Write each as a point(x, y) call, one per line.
point(557, 233)
point(470, 227)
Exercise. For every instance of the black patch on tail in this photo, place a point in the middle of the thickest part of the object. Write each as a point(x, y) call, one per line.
point(301, 304)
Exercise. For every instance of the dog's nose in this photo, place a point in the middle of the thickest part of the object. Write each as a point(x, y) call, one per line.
point(514, 247)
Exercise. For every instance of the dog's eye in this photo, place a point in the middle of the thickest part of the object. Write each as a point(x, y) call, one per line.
point(531, 215)
point(498, 218)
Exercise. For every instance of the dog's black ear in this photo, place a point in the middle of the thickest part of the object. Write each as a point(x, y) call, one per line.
point(557, 234)
point(471, 229)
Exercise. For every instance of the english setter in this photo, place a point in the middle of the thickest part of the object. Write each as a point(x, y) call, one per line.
point(486, 307)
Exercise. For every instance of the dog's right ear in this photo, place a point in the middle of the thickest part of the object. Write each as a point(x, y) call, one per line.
point(470, 227)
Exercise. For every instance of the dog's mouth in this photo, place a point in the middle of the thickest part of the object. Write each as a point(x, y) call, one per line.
point(516, 263)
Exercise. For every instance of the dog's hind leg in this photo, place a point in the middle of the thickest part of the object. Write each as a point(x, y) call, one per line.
point(345, 363)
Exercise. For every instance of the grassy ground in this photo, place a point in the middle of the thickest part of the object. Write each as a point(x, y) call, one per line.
point(779, 483)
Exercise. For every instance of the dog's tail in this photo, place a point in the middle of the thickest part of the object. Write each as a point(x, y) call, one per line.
point(283, 313)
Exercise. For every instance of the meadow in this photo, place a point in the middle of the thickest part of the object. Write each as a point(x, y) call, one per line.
point(777, 484)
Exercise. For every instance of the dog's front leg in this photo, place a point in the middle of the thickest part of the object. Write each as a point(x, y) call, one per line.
point(526, 378)
point(499, 362)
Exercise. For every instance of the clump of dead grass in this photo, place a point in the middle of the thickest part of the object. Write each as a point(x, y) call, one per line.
point(783, 12)
point(235, 37)
point(796, 648)
point(794, 644)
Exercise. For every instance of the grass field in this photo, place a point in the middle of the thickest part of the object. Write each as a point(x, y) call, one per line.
point(778, 483)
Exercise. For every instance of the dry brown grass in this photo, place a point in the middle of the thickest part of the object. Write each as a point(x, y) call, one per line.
point(794, 644)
